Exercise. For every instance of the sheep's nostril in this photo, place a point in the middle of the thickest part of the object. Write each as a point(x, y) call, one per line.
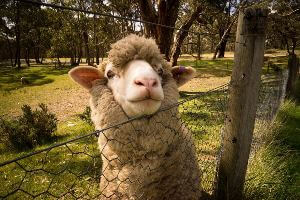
point(140, 83)
point(147, 83)
point(154, 83)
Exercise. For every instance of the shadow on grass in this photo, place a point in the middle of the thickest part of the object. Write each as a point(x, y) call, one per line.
point(36, 75)
point(223, 67)
point(66, 168)
point(218, 68)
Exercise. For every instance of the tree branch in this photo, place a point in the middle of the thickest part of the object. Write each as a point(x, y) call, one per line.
point(225, 36)
point(181, 35)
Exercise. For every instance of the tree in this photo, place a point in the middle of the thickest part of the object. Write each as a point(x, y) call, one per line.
point(181, 35)
point(163, 12)
point(225, 19)
point(285, 28)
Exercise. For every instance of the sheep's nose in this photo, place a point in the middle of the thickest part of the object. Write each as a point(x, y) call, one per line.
point(147, 83)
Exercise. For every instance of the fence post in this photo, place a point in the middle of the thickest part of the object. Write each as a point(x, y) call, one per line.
point(243, 97)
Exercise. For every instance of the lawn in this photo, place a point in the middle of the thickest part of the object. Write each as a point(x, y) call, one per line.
point(74, 169)
point(46, 85)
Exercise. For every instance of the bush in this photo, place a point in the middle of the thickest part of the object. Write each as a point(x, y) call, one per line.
point(86, 115)
point(30, 129)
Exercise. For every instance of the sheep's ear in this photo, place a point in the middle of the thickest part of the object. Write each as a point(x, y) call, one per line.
point(183, 74)
point(85, 75)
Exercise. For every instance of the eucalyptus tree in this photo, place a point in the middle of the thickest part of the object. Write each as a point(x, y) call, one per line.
point(163, 12)
point(285, 29)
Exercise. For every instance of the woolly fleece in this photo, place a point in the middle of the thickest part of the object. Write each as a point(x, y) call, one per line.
point(134, 47)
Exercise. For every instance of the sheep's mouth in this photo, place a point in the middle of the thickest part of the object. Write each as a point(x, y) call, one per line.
point(145, 100)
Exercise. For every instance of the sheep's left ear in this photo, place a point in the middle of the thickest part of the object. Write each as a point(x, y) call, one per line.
point(85, 75)
point(183, 74)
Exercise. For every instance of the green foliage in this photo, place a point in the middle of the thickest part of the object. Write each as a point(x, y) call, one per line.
point(86, 115)
point(30, 129)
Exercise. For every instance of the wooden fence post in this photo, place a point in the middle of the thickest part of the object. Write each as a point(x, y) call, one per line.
point(242, 105)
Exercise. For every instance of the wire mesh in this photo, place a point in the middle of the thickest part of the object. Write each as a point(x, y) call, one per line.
point(79, 169)
point(74, 169)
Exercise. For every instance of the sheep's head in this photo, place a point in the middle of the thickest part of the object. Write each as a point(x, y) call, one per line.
point(136, 74)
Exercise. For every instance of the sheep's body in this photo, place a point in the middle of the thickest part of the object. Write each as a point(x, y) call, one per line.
point(150, 158)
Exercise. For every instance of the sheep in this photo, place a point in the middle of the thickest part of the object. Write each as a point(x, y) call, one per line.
point(151, 157)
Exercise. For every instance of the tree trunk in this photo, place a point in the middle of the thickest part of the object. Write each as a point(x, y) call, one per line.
point(222, 49)
point(36, 51)
point(166, 14)
point(97, 51)
point(293, 67)
point(86, 44)
point(242, 105)
point(18, 35)
point(221, 46)
point(181, 35)
point(10, 51)
point(58, 61)
point(96, 41)
point(79, 54)
point(27, 57)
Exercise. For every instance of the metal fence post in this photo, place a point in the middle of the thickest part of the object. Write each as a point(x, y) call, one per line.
point(242, 105)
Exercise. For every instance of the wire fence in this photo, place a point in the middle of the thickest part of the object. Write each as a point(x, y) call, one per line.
point(147, 157)
point(72, 169)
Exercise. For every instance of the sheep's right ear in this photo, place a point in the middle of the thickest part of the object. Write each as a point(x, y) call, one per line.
point(85, 75)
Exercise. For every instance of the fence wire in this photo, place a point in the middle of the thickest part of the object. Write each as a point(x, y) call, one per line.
point(76, 169)
point(72, 169)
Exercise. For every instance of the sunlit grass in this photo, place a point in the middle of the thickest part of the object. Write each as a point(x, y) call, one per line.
point(74, 167)
point(55, 93)
point(274, 168)
point(73, 164)
point(204, 117)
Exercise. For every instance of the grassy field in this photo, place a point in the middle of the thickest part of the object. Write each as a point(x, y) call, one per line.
point(274, 168)
point(74, 169)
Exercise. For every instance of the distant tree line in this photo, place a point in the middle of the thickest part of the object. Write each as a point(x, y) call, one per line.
point(29, 31)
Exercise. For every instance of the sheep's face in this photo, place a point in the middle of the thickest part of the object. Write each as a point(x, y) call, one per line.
point(137, 87)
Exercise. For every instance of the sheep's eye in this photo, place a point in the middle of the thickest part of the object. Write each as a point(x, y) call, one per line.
point(160, 72)
point(110, 74)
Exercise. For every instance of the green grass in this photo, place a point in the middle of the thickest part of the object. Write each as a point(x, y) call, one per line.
point(275, 161)
point(204, 117)
point(46, 85)
point(73, 168)
point(274, 169)
point(37, 75)
point(218, 67)
point(223, 67)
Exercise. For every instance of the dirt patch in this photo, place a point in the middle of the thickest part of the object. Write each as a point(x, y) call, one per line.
point(204, 82)
point(73, 102)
